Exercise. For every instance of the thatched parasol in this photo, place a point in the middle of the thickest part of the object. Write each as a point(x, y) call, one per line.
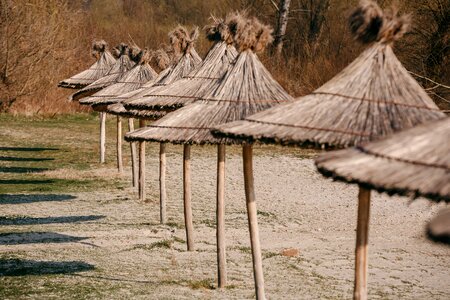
point(103, 64)
point(438, 228)
point(414, 162)
point(122, 65)
point(246, 88)
point(131, 80)
point(186, 59)
point(372, 97)
point(198, 82)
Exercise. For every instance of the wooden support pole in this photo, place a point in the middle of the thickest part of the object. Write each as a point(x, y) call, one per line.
point(134, 168)
point(220, 216)
point(187, 197)
point(142, 170)
point(162, 182)
point(102, 136)
point(253, 221)
point(362, 237)
point(119, 145)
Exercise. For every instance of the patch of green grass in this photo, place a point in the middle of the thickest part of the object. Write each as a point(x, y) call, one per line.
point(178, 240)
point(244, 249)
point(270, 254)
point(37, 153)
point(164, 244)
point(208, 223)
point(266, 214)
point(201, 284)
point(174, 225)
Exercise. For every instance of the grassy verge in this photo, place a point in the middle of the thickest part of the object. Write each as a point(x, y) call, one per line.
point(54, 154)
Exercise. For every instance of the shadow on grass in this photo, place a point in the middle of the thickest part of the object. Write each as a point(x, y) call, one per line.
point(31, 149)
point(18, 238)
point(11, 158)
point(22, 181)
point(30, 198)
point(47, 220)
point(22, 170)
point(21, 267)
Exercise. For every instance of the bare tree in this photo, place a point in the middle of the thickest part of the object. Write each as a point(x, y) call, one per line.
point(283, 13)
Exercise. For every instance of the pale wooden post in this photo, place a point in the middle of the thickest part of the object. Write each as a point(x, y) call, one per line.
point(187, 197)
point(142, 170)
point(253, 221)
point(220, 216)
point(102, 136)
point(162, 182)
point(119, 145)
point(134, 168)
point(362, 237)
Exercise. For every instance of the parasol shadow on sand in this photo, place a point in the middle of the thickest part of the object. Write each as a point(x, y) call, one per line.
point(372, 97)
point(246, 88)
point(100, 68)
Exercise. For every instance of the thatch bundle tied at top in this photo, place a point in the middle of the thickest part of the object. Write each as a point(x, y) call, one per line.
point(245, 89)
point(413, 162)
point(133, 79)
point(122, 65)
point(104, 62)
point(374, 96)
point(218, 60)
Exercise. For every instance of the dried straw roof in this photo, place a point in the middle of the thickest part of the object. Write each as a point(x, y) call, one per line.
point(133, 79)
point(122, 65)
point(119, 110)
point(186, 59)
point(183, 91)
point(438, 228)
point(413, 162)
point(104, 62)
point(374, 96)
point(245, 89)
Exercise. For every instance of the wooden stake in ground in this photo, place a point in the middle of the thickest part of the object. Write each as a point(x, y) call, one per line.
point(362, 237)
point(162, 182)
point(119, 145)
point(220, 216)
point(187, 197)
point(134, 168)
point(142, 170)
point(141, 185)
point(253, 221)
point(102, 136)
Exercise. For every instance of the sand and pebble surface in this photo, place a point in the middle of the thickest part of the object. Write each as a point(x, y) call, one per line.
point(109, 245)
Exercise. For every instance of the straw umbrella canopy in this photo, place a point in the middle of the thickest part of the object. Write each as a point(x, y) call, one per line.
point(122, 65)
point(131, 80)
point(104, 62)
point(183, 91)
point(372, 97)
point(246, 88)
point(438, 228)
point(414, 162)
point(186, 59)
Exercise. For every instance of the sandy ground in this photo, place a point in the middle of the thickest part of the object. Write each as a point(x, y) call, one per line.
point(110, 246)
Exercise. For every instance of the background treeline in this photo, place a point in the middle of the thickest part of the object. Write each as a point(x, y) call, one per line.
point(44, 41)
